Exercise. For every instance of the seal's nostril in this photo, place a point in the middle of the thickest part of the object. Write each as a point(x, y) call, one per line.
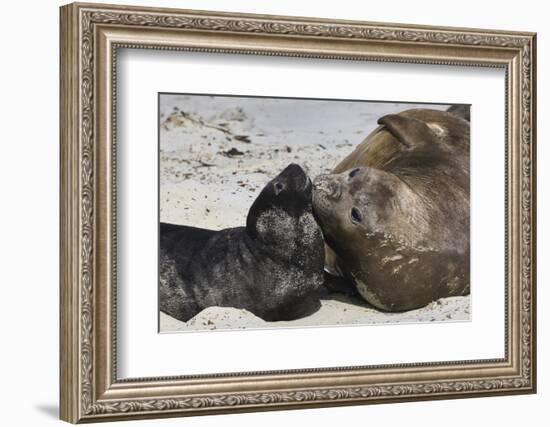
point(321, 185)
point(328, 187)
point(335, 191)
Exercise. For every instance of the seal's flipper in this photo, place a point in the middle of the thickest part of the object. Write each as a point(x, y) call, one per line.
point(410, 132)
point(339, 284)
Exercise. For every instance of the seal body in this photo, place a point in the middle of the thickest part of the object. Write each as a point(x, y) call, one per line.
point(395, 213)
point(273, 267)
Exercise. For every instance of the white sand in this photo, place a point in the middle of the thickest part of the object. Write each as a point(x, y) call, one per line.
point(217, 153)
point(341, 311)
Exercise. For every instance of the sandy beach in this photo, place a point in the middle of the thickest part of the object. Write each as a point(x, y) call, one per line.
point(217, 153)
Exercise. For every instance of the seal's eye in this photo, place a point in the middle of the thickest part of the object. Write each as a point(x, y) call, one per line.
point(356, 215)
point(279, 186)
point(353, 173)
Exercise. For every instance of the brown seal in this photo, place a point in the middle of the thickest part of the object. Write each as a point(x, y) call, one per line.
point(395, 213)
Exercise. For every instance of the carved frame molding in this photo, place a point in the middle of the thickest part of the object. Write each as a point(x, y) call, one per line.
point(90, 37)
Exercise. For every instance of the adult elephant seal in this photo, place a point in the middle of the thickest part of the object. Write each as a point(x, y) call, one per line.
point(273, 267)
point(395, 213)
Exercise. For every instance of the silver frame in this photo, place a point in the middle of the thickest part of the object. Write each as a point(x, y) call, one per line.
point(90, 37)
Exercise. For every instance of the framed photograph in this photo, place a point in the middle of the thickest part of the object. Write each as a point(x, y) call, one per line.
point(267, 212)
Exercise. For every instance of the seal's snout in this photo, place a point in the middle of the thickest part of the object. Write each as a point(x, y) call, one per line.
point(293, 169)
point(296, 177)
point(327, 186)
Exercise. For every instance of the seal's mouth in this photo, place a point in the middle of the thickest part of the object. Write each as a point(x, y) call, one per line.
point(326, 195)
point(308, 186)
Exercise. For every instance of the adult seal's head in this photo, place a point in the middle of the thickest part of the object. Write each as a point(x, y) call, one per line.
point(395, 212)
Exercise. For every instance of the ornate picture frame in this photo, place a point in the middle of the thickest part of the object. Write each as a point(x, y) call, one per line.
point(90, 37)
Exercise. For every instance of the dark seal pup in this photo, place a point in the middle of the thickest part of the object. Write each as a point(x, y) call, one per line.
point(395, 213)
point(273, 267)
